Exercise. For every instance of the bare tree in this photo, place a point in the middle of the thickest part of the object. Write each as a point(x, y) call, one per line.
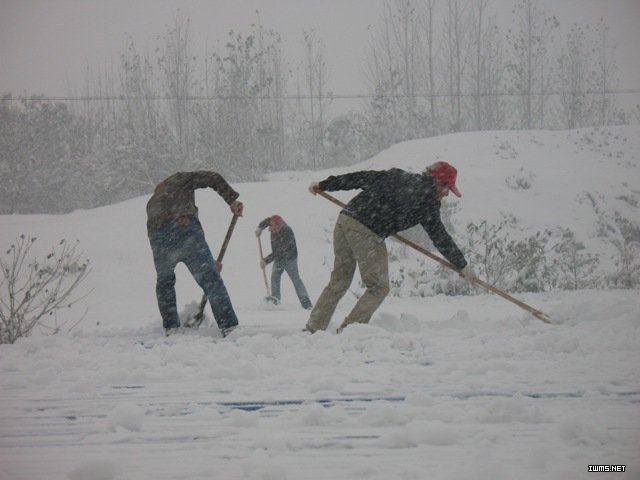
point(486, 69)
point(528, 66)
point(40, 142)
point(33, 290)
point(177, 65)
point(271, 77)
point(586, 73)
point(606, 72)
point(429, 55)
point(396, 71)
point(316, 81)
point(457, 55)
point(406, 38)
point(247, 118)
point(574, 72)
point(147, 153)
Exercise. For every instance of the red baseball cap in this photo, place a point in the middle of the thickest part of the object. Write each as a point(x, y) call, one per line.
point(445, 173)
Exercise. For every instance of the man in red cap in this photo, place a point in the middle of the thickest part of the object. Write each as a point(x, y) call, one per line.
point(390, 201)
point(284, 255)
point(445, 176)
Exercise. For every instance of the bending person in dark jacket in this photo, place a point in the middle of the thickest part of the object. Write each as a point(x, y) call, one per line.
point(284, 255)
point(390, 201)
point(176, 236)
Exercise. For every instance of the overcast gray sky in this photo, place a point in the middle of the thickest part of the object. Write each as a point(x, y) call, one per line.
point(46, 45)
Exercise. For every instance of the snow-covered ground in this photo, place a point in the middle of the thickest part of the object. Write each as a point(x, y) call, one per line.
point(439, 387)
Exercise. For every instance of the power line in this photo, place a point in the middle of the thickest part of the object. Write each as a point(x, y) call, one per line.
point(336, 96)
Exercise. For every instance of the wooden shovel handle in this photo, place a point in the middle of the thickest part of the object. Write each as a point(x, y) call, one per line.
point(536, 313)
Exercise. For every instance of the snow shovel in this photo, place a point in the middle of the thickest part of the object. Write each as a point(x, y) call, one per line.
point(536, 313)
point(197, 319)
point(268, 298)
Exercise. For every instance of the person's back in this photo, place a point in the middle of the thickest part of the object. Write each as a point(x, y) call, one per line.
point(175, 196)
point(393, 201)
point(176, 236)
point(284, 255)
point(283, 243)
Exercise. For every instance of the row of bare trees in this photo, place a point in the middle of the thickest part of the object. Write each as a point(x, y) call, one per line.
point(439, 66)
point(433, 67)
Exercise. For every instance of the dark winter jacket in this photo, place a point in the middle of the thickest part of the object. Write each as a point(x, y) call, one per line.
point(394, 200)
point(283, 243)
point(174, 197)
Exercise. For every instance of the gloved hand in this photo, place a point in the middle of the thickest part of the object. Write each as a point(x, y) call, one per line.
point(263, 264)
point(237, 208)
point(314, 187)
point(467, 273)
point(258, 232)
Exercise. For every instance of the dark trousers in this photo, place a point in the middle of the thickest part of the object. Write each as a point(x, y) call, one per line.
point(174, 243)
point(291, 267)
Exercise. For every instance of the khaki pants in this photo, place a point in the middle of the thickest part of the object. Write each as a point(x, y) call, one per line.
point(353, 244)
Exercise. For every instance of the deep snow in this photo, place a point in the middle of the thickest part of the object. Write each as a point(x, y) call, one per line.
point(439, 387)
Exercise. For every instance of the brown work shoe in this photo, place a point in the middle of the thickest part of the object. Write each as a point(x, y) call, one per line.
point(342, 327)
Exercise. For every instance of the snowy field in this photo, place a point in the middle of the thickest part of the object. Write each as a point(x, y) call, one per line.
point(441, 387)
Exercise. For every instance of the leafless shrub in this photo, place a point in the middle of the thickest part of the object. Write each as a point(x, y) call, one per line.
point(32, 290)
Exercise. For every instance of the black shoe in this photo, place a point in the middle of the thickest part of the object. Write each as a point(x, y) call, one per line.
point(307, 328)
point(227, 330)
point(171, 330)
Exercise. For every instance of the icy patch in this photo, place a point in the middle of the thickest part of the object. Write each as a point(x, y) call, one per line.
point(328, 384)
point(406, 323)
point(262, 344)
point(365, 471)
point(274, 440)
point(240, 418)
point(242, 370)
point(420, 433)
point(84, 386)
point(316, 415)
point(127, 416)
point(261, 466)
point(383, 415)
point(579, 433)
point(95, 470)
point(460, 319)
point(553, 343)
point(514, 409)
point(420, 399)
point(615, 308)
point(44, 376)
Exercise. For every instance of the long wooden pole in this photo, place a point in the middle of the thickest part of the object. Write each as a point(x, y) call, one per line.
point(536, 313)
point(199, 316)
point(264, 273)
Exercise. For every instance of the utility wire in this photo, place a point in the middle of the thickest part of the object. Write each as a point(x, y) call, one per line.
point(335, 96)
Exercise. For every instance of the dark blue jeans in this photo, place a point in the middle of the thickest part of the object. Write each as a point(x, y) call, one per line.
point(291, 267)
point(174, 243)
